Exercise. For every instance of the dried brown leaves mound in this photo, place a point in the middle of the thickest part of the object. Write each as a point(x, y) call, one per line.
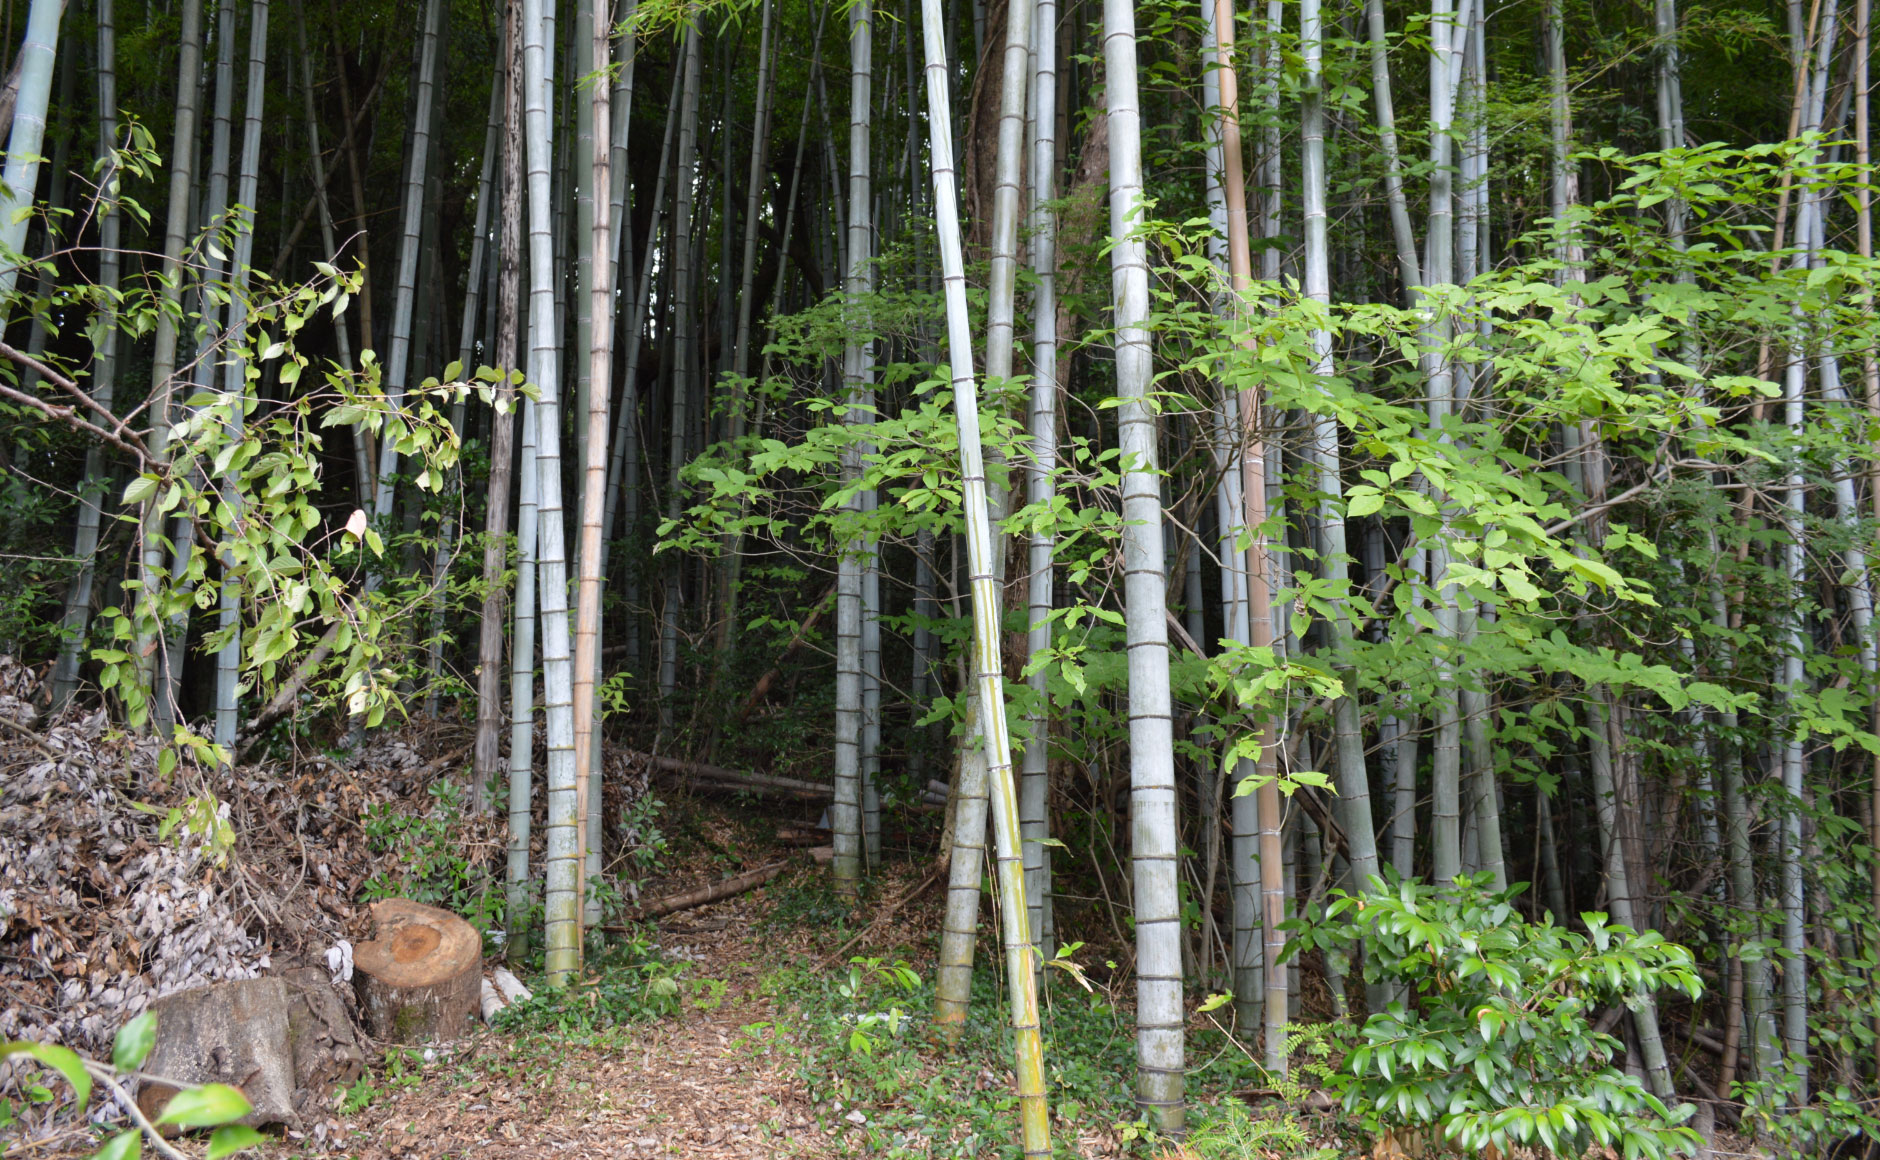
point(97, 914)
point(100, 912)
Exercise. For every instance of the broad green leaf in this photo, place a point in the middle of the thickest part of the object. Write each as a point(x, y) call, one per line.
point(134, 1041)
point(1364, 504)
point(140, 489)
point(123, 1146)
point(63, 1060)
point(232, 1138)
point(202, 1107)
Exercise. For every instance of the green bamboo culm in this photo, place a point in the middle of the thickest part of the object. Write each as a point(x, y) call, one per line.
point(1021, 963)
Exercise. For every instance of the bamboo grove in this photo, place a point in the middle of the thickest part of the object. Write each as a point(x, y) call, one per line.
point(1205, 461)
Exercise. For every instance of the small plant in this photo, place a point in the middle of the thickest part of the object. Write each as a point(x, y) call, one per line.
point(210, 1105)
point(431, 865)
point(709, 994)
point(866, 975)
point(1493, 1044)
point(1232, 1132)
point(357, 1096)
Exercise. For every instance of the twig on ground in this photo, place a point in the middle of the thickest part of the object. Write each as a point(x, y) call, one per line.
point(29, 736)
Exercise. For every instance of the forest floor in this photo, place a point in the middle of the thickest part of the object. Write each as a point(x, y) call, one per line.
point(754, 1052)
point(782, 1022)
point(697, 1082)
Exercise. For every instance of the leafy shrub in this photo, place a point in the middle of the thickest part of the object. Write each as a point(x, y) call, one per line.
point(431, 864)
point(1495, 1044)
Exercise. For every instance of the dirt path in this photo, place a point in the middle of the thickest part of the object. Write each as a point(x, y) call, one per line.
point(704, 1083)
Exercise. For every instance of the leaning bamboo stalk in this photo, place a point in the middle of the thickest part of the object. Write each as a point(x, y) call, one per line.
point(730, 563)
point(450, 537)
point(624, 475)
point(342, 336)
point(1020, 965)
point(682, 339)
point(152, 674)
point(21, 177)
point(398, 357)
point(197, 374)
point(1409, 268)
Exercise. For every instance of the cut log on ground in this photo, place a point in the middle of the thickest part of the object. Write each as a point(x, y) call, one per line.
point(730, 887)
point(418, 978)
point(719, 891)
point(234, 1033)
point(802, 836)
point(694, 771)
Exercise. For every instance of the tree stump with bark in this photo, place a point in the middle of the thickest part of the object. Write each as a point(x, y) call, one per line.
point(417, 979)
point(234, 1032)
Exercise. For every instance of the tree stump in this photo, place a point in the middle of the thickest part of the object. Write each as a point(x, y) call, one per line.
point(234, 1032)
point(417, 979)
point(326, 1050)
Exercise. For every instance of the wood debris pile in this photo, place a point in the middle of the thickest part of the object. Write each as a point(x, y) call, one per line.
point(111, 898)
point(98, 914)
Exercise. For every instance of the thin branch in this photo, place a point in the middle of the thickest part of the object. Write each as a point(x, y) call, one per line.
point(123, 440)
point(31, 738)
point(149, 1129)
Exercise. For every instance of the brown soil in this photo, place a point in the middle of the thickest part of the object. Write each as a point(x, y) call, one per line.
point(696, 1084)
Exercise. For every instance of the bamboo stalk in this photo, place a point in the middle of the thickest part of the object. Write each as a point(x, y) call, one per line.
point(1034, 1115)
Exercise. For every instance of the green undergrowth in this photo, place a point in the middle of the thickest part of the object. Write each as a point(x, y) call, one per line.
point(627, 983)
point(865, 1051)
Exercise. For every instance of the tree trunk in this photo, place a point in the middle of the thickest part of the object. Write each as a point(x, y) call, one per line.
point(487, 763)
